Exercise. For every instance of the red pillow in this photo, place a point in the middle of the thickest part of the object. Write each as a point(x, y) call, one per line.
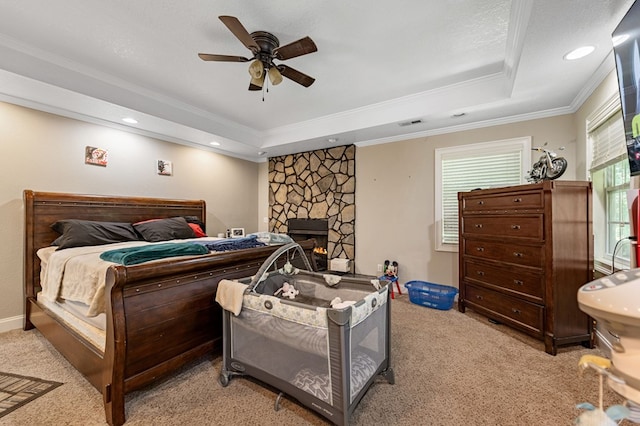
point(197, 230)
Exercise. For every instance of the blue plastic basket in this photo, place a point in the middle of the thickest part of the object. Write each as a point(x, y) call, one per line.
point(431, 295)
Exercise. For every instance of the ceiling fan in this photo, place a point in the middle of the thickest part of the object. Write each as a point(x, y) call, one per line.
point(265, 48)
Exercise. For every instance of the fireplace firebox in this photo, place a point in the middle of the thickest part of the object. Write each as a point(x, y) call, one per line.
point(303, 229)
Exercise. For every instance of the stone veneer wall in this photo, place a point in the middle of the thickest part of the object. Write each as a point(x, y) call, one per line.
point(316, 185)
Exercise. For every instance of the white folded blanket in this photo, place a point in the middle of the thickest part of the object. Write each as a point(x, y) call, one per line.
point(229, 295)
point(337, 303)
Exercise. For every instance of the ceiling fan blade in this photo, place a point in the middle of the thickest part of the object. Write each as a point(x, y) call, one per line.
point(240, 32)
point(222, 58)
point(296, 75)
point(297, 48)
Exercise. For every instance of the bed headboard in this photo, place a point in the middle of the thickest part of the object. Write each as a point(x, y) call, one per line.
point(41, 209)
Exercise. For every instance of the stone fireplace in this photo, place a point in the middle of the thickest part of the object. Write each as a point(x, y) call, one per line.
point(316, 185)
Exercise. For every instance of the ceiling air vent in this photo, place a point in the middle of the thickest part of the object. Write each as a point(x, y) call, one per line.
point(410, 123)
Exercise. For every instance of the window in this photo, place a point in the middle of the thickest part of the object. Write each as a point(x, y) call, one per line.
point(467, 167)
point(610, 176)
point(617, 178)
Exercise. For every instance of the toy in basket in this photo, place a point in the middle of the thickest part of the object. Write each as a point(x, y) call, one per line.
point(432, 295)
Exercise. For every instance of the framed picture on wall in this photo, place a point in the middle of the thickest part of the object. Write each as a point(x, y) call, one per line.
point(97, 156)
point(165, 168)
point(237, 232)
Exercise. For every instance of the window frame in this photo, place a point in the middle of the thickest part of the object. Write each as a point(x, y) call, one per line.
point(522, 144)
point(603, 253)
point(611, 188)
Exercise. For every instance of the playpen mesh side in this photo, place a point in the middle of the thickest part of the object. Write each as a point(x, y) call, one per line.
point(283, 349)
point(302, 346)
point(368, 349)
point(301, 355)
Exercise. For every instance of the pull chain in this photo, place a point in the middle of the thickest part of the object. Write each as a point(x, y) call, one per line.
point(265, 82)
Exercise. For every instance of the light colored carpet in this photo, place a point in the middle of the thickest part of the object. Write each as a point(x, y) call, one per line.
point(450, 369)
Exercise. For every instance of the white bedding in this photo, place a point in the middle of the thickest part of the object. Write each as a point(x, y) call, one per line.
point(74, 315)
point(78, 274)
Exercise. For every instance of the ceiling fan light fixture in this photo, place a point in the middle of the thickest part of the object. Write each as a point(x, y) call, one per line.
point(256, 69)
point(274, 76)
point(257, 81)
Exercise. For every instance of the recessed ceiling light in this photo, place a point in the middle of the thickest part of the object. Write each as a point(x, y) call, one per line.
point(261, 153)
point(130, 120)
point(332, 140)
point(580, 52)
point(619, 39)
point(214, 143)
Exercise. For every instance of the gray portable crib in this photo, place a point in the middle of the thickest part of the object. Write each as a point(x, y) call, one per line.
point(324, 358)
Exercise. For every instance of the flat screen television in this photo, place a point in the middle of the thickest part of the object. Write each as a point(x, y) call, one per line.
point(627, 56)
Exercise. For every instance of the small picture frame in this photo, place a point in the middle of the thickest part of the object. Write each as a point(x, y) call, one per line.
point(165, 168)
point(96, 156)
point(237, 232)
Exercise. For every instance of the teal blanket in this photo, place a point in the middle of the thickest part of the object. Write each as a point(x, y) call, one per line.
point(135, 255)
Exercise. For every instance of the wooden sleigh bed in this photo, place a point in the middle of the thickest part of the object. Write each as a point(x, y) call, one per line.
point(159, 315)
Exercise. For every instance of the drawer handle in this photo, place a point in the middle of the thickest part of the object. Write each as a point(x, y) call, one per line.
point(517, 200)
point(480, 248)
point(518, 282)
point(479, 297)
point(478, 225)
point(517, 254)
point(480, 203)
point(516, 311)
point(481, 273)
point(515, 226)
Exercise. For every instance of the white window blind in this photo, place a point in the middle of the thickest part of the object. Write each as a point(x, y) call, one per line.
point(492, 165)
point(608, 142)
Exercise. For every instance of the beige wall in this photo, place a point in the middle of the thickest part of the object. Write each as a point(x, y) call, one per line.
point(395, 196)
point(45, 152)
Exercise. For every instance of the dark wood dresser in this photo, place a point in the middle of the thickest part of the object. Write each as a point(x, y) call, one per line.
point(524, 252)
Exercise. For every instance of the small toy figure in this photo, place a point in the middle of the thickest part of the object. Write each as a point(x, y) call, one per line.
point(287, 290)
point(390, 273)
point(391, 269)
point(288, 269)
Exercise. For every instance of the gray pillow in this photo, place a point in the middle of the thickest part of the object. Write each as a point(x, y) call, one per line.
point(174, 228)
point(80, 233)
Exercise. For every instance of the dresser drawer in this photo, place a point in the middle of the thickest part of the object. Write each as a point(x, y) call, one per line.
point(520, 226)
point(518, 254)
point(522, 282)
point(528, 316)
point(506, 201)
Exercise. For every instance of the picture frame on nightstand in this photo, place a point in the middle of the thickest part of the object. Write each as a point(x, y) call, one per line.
point(237, 232)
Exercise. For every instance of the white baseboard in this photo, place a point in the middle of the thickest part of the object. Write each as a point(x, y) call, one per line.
point(12, 323)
